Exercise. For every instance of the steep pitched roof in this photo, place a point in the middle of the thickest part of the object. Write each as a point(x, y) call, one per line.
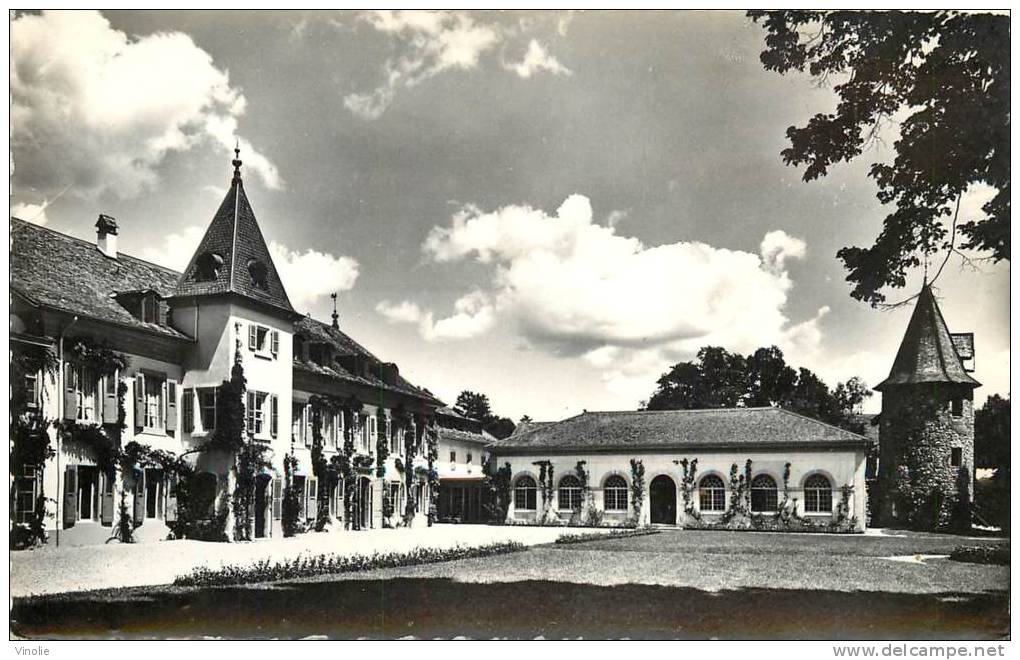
point(927, 353)
point(717, 428)
point(342, 345)
point(54, 270)
point(235, 241)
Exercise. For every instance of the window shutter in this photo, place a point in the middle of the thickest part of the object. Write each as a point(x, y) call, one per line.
point(274, 343)
point(308, 425)
point(140, 400)
point(106, 510)
point(140, 498)
point(171, 499)
point(274, 415)
point(313, 498)
point(70, 496)
point(252, 336)
point(188, 410)
point(250, 413)
point(110, 412)
point(171, 405)
point(277, 499)
point(70, 398)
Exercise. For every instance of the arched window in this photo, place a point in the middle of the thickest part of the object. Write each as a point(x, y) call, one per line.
point(614, 494)
point(525, 494)
point(570, 493)
point(712, 494)
point(817, 494)
point(764, 494)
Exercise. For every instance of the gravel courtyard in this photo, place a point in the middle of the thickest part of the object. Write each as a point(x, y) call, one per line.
point(51, 570)
point(677, 584)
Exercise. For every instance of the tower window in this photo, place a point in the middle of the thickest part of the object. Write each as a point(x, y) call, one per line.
point(207, 266)
point(956, 405)
point(259, 274)
point(956, 457)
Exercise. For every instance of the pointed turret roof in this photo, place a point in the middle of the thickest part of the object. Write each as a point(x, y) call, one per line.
point(232, 257)
point(927, 353)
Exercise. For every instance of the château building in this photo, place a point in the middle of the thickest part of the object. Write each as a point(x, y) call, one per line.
point(152, 349)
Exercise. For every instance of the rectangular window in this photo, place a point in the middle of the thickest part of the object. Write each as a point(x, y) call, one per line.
point(453, 457)
point(296, 421)
point(150, 309)
point(188, 410)
point(31, 391)
point(86, 392)
point(263, 341)
point(956, 457)
point(363, 423)
point(26, 492)
point(395, 435)
point(469, 457)
point(256, 413)
point(207, 408)
point(957, 407)
point(153, 409)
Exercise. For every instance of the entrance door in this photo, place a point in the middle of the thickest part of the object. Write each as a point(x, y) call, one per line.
point(662, 493)
point(153, 493)
point(88, 491)
point(261, 504)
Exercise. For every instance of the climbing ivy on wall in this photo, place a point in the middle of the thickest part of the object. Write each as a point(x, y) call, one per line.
point(432, 454)
point(410, 450)
point(497, 480)
point(545, 483)
point(350, 408)
point(291, 505)
point(382, 448)
point(688, 480)
point(637, 487)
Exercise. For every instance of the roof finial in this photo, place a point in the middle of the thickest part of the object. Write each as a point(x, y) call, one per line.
point(237, 160)
point(336, 317)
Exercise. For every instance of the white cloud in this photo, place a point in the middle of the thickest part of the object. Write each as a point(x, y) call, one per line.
point(536, 59)
point(176, 249)
point(778, 246)
point(402, 312)
point(31, 212)
point(95, 108)
point(432, 42)
point(311, 275)
point(307, 276)
point(473, 315)
point(576, 288)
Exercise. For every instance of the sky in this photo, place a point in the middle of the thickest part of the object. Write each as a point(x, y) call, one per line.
point(550, 208)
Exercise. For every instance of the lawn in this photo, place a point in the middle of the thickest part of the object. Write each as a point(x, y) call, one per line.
point(670, 585)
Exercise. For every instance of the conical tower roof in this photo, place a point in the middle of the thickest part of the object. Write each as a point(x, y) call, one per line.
point(927, 353)
point(232, 257)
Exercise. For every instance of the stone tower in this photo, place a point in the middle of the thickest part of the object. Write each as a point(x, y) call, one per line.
point(926, 431)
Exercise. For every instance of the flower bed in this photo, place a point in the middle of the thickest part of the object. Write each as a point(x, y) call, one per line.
point(329, 564)
point(584, 537)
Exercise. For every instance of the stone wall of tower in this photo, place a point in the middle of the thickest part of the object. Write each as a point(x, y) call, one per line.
point(920, 486)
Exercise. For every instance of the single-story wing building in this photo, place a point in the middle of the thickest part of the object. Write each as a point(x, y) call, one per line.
point(819, 462)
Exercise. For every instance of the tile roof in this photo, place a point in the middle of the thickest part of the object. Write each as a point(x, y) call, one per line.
point(343, 345)
point(235, 238)
point(927, 353)
point(58, 271)
point(447, 433)
point(680, 429)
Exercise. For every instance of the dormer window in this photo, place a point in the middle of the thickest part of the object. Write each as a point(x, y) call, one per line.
point(149, 308)
point(259, 274)
point(207, 266)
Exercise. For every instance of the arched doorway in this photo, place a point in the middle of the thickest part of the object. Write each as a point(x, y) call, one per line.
point(365, 500)
point(261, 504)
point(662, 494)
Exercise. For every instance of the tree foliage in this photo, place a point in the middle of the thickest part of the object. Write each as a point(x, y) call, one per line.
point(720, 379)
point(991, 434)
point(944, 78)
point(476, 406)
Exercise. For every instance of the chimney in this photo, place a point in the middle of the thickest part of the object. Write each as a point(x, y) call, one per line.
point(106, 227)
